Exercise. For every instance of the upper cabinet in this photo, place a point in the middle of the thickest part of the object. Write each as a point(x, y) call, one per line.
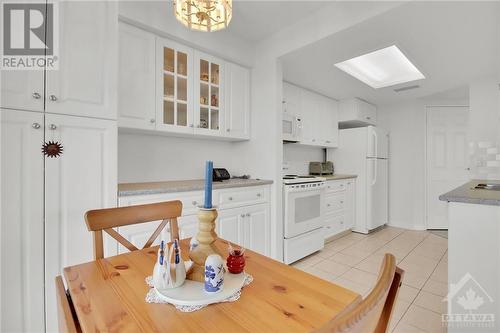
point(355, 112)
point(174, 75)
point(183, 92)
point(136, 78)
point(237, 108)
point(318, 114)
point(85, 82)
point(208, 87)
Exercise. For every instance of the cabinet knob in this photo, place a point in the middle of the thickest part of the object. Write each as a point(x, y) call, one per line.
point(248, 214)
point(328, 141)
point(191, 125)
point(258, 195)
point(328, 205)
point(35, 125)
point(242, 215)
point(152, 121)
point(230, 198)
point(52, 127)
point(53, 98)
point(313, 140)
point(194, 203)
point(341, 202)
point(36, 95)
point(228, 130)
point(368, 118)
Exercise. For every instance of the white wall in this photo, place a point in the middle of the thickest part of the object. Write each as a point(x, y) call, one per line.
point(296, 158)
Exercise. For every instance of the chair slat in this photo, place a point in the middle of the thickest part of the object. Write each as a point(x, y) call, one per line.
point(155, 234)
point(121, 239)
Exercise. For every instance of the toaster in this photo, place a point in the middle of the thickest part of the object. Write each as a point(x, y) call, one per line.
point(321, 168)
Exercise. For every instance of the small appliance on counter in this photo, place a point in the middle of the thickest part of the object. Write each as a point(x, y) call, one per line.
point(220, 174)
point(321, 168)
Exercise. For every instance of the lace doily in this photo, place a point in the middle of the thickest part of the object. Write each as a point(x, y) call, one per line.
point(154, 297)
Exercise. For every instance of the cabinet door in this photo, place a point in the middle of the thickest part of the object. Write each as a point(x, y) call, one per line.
point(82, 178)
point(350, 204)
point(21, 216)
point(174, 82)
point(329, 122)
point(237, 108)
point(291, 99)
point(309, 108)
point(229, 225)
point(136, 78)
point(85, 84)
point(138, 234)
point(208, 97)
point(22, 90)
point(188, 226)
point(257, 229)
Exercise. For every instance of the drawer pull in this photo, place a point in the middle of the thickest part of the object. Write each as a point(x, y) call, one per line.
point(194, 203)
point(230, 198)
point(258, 195)
point(248, 214)
point(328, 205)
point(242, 215)
point(341, 202)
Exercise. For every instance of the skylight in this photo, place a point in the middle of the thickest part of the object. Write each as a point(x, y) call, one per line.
point(382, 68)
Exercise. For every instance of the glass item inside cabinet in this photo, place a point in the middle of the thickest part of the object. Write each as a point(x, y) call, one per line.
point(168, 112)
point(168, 59)
point(182, 63)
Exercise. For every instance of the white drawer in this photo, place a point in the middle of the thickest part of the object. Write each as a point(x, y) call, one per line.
point(242, 197)
point(335, 186)
point(190, 200)
point(334, 224)
point(335, 202)
point(303, 245)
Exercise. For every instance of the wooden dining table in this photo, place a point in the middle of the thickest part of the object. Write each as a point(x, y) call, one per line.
point(109, 296)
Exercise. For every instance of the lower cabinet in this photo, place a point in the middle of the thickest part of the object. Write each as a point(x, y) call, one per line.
point(247, 226)
point(243, 217)
point(339, 206)
point(43, 202)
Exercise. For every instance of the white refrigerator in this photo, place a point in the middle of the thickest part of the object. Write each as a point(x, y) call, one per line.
point(364, 151)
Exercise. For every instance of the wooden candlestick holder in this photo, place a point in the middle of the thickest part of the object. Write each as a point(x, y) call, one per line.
point(206, 238)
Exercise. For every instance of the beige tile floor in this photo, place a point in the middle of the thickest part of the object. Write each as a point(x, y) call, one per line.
point(353, 261)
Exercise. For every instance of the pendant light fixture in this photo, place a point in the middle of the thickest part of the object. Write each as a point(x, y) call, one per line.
point(204, 15)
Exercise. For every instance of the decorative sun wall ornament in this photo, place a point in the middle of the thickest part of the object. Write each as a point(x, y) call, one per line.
point(204, 15)
point(52, 149)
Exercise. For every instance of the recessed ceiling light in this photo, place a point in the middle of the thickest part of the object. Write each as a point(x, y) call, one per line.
point(382, 68)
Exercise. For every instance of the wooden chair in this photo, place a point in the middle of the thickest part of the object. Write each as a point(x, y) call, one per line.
point(106, 219)
point(373, 313)
point(65, 312)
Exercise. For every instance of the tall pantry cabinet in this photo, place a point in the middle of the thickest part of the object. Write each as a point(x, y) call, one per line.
point(43, 199)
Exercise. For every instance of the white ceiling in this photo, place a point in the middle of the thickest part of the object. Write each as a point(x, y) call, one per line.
point(451, 43)
point(256, 20)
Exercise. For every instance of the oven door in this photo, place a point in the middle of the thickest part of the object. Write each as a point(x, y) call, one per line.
point(303, 211)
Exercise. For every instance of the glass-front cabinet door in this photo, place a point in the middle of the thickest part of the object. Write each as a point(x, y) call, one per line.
point(174, 110)
point(208, 99)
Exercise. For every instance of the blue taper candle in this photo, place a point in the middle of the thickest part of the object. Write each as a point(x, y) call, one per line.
point(208, 184)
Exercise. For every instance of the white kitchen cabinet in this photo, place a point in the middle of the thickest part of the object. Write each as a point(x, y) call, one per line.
point(208, 95)
point(84, 177)
point(229, 225)
point(85, 84)
point(319, 116)
point(22, 90)
point(237, 105)
point(174, 82)
point(21, 216)
point(136, 78)
point(355, 112)
point(339, 206)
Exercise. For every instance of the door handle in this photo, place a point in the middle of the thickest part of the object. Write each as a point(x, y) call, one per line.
point(36, 95)
point(53, 98)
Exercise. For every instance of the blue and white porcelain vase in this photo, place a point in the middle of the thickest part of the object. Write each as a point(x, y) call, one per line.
point(214, 273)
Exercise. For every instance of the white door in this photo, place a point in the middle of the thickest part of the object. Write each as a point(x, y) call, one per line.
point(257, 229)
point(22, 90)
point(136, 78)
point(229, 225)
point(21, 215)
point(85, 84)
point(237, 108)
point(377, 193)
point(209, 93)
point(447, 158)
point(174, 82)
point(84, 177)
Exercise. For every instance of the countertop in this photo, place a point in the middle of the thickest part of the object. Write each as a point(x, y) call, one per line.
point(173, 186)
point(468, 194)
point(338, 176)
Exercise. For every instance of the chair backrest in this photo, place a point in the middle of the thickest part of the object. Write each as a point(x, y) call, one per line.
point(373, 313)
point(66, 317)
point(106, 219)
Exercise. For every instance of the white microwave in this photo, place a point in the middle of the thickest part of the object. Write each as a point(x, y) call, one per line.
point(292, 126)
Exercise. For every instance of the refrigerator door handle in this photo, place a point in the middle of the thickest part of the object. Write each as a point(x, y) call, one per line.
point(375, 142)
point(374, 176)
